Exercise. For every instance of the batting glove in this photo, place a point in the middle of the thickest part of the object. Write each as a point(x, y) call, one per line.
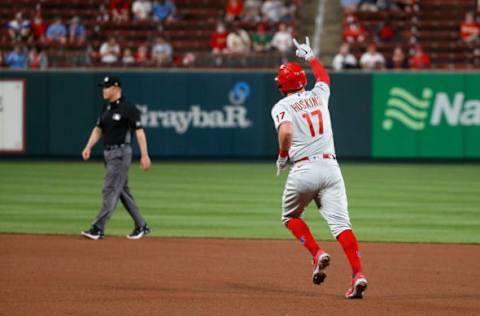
point(282, 164)
point(304, 50)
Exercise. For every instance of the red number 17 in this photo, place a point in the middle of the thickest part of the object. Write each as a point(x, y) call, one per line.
point(310, 124)
point(280, 116)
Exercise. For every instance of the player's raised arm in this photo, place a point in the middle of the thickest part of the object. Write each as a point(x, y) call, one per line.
point(306, 52)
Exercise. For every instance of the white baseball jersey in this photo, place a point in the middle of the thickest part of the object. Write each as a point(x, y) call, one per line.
point(320, 179)
point(310, 118)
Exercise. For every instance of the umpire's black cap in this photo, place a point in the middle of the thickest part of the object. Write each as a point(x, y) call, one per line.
point(110, 81)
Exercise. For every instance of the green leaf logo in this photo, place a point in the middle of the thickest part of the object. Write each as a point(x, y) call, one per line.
point(404, 107)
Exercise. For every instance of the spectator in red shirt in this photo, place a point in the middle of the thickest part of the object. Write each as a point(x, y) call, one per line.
point(37, 59)
point(234, 10)
point(419, 60)
point(218, 40)
point(354, 32)
point(39, 27)
point(469, 29)
point(386, 32)
point(119, 9)
point(141, 56)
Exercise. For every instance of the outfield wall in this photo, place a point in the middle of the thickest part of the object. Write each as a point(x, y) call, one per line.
point(227, 114)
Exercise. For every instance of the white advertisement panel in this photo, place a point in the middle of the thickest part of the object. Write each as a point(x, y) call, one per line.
point(12, 116)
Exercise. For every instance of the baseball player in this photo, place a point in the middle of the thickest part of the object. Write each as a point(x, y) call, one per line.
point(305, 135)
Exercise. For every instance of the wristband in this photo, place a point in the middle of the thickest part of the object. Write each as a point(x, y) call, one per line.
point(283, 153)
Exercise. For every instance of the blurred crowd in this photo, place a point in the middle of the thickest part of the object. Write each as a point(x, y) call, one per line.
point(404, 54)
point(247, 28)
point(372, 59)
point(29, 37)
point(33, 39)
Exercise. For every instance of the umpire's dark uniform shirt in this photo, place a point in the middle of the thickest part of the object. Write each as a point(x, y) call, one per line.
point(117, 120)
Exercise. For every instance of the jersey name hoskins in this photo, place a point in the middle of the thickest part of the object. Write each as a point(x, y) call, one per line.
point(305, 104)
point(231, 116)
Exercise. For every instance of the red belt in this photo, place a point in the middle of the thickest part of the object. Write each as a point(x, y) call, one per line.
point(325, 156)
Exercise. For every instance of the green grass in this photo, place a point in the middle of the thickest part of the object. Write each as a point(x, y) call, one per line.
point(388, 202)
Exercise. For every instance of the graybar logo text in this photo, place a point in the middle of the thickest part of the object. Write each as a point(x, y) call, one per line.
point(234, 115)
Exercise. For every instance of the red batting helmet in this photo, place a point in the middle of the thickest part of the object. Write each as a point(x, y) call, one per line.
point(290, 77)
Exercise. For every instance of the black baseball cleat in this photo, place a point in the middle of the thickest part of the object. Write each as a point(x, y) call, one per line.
point(139, 232)
point(93, 233)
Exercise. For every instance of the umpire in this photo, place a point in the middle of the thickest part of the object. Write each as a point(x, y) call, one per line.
point(116, 123)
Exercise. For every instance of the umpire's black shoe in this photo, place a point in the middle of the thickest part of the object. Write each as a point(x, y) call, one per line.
point(139, 232)
point(93, 233)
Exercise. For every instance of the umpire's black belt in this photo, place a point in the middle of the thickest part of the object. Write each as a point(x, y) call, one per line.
point(112, 147)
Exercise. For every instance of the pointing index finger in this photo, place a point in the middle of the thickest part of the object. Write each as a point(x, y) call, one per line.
point(307, 41)
point(296, 43)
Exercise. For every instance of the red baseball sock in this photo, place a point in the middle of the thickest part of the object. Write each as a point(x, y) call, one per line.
point(350, 246)
point(301, 231)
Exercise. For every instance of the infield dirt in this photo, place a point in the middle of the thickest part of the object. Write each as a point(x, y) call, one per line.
point(69, 275)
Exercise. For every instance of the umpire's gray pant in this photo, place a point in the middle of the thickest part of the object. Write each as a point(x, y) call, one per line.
point(116, 187)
